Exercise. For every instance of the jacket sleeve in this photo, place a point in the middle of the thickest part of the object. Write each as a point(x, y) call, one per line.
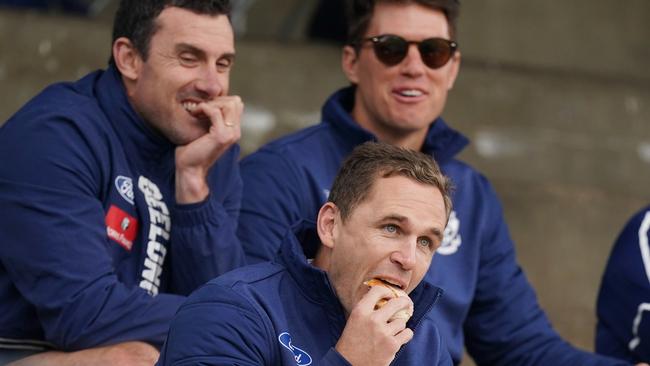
point(333, 358)
point(505, 324)
point(216, 326)
point(271, 204)
point(54, 245)
point(204, 241)
point(623, 306)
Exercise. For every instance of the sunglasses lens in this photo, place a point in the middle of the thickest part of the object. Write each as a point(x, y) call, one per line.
point(390, 50)
point(435, 52)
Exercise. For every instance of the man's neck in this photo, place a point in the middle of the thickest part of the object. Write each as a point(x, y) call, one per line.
point(413, 139)
point(321, 260)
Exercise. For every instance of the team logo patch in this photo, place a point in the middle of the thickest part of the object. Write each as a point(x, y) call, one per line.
point(124, 187)
point(121, 227)
point(302, 358)
point(451, 240)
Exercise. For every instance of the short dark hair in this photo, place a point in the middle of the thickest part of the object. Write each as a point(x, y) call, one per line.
point(136, 19)
point(359, 13)
point(373, 160)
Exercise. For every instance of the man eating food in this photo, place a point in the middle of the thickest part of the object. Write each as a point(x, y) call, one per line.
point(396, 292)
point(360, 300)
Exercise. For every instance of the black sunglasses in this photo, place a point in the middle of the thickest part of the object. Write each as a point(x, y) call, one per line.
point(391, 49)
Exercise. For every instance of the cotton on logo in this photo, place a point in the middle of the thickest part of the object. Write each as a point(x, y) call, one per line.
point(125, 223)
point(452, 239)
point(121, 227)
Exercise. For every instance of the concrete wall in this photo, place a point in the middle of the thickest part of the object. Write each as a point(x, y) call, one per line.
point(555, 96)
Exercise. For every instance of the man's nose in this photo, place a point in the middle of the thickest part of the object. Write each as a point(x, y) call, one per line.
point(210, 83)
point(405, 255)
point(412, 64)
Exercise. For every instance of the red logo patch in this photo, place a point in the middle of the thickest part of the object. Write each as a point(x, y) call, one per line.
point(121, 227)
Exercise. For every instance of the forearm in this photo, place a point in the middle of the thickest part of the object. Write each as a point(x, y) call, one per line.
point(62, 270)
point(218, 327)
point(104, 314)
point(333, 358)
point(204, 245)
point(128, 354)
point(191, 185)
point(506, 325)
point(195, 159)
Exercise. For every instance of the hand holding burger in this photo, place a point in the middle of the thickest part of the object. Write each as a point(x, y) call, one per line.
point(396, 292)
point(376, 326)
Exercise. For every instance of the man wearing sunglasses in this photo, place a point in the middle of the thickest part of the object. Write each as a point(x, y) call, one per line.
point(402, 60)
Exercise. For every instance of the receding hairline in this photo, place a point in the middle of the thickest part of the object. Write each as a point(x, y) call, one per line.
point(188, 45)
point(385, 173)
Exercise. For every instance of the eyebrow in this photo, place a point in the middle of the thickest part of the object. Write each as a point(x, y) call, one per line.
point(403, 219)
point(437, 233)
point(186, 47)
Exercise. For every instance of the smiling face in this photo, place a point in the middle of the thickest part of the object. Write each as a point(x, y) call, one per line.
point(398, 103)
point(391, 235)
point(189, 61)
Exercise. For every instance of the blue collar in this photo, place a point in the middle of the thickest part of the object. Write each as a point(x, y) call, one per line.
point(129, 126)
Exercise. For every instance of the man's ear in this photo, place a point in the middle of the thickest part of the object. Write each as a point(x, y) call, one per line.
point(326, 224)
point(453, 70)
point(127, 58)
point(349, 64)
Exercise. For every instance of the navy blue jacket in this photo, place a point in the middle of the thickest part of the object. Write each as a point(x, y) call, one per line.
point(624, 300)
point(94, 248)
point(489, 306)
point(283, 313)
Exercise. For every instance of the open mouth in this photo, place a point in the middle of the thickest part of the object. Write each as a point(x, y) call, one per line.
point(410, 93)
point(193, 109)
point(190, 106)
point(386, 282)
point(397, 291)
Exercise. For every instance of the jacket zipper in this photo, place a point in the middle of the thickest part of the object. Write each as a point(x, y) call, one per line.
point(424, 315)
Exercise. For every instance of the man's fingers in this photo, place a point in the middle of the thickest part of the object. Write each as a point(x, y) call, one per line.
point(212, 112)
point(224, 118)
point(370, 299)
point(395, 305)
point(391, 306)
point(231, 108)
point(404, 336)
point(396, 326)
point(232, 111)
